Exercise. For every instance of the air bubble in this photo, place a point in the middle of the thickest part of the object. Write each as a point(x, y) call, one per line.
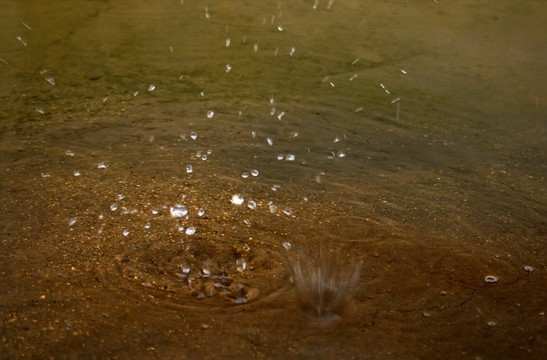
point(254, 172)
point(237, 199)
point(491, 279)
point(178, 211)
point(190, 231)
point(245, 175)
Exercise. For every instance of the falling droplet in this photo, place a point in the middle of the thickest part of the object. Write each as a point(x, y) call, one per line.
point(270, 141)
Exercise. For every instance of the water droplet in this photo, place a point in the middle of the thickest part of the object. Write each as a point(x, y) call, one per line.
point(252, 205)
point(125, 232)
point(293, 50)
point(290, 157)
point(492, 323)
point(246, 221)
point(178, 211)
point(147, 225)
point(151, 87)
point(270, 141)
point(190, 231)
point(528, 268)
point(193, 135)
point(72, 221)
point(50, 80)
point(228, 68)
point(69, 152)
point(280, 28)
point(254, 172)
point(280, 157)
point(77, 173)
point(113, 207)
point(210, 114)
point(491, 279)
point(45, 175)
point(120, 197)
point(228, 42)
point(180, 228)
point(201, 212)
point(237, 199)
point(287, 212)
point(245, 175)
point(207, 15)
point(287, 245)
point(155, 212)
point(280, 116)
point(341, 154)
point(189, 169)
point(241, 265)
point(101, 165)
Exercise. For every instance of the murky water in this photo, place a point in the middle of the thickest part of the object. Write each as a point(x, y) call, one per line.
point(159, 159)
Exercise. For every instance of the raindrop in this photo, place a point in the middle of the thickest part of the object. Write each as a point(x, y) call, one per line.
point(185, 269)
point(272, 111)
point(275, 187)
point(120, 197)
point(21, 40)
point(228, 42)
point(180, 228)
point(125, 232)
point(290, 157)
point(293, 50)
point(241, 265)
point(255, 47)
point(528, 268)
point(287, 245)
point(492, 323)
point(336, 139)
point(101, 165)
point(193, 135)
point(113, 207)
point(246, 221)
point(147, 225)
point(203, 157)
point(353, 77)
point(45, 175)
point(245, 175)
point(280, 157)
point(237, 199)
point(280, 28)
point(252, 205)
point(254, 172)
point(287, 212)
point(270, 141)
point(280, 116)
point(77, 173)
point(151, 87)
point(210, 114)
point(201, 212)
point(69, 152)
point(72, 221)
point(341, 154)
point(189, 169)
point(50, 80)
point(491, 279)
point(207, 15)
point(178, 211)
point(228, 68)
point(190, 231)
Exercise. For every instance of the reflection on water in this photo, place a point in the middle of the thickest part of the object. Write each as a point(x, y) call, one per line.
point(159, 158)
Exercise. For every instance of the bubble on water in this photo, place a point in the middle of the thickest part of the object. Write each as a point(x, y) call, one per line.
point(287, 245)
point(228, 68)
point(72, 221)
point(492, 323)
point(193, 135)
point(190, 231)
point(272, 207)
point(189, 169)
point(228, 41)
point(270, 141)
point(201, 212)
point(237, 199)
point(203, 157)
point(280, 116)
point(178, 211)
point(245, 175)
point(126, 232)
point(101, 165)
point(69, 153)
point(151, 87)
point(147, 225)
point(241, 265)
point(120, 197)
point(113, 207)
point(290, 157)
point(252, 205)
point(76, 173)
point(491, 279)
point(254, 172)
point(210, 114)
point(528, 268)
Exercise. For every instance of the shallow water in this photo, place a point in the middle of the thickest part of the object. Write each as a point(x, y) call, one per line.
point(409, 135)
